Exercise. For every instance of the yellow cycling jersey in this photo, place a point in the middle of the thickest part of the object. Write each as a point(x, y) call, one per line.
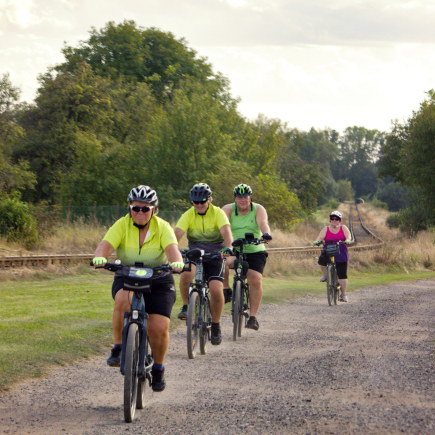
point(124, 237)
point(203, 228)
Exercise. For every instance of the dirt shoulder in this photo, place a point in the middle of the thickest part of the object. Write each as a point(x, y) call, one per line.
point(365, 367)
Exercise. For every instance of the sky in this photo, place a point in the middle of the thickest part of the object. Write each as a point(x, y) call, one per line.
point(310, 63)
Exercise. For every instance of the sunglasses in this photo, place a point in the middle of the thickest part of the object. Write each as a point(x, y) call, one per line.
point(199, 202)
point(334, 219)
point(143, 209)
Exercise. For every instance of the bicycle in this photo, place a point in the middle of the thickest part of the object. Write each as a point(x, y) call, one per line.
point(136, 355)
point(332, 286)
point(240, 299)
point(199, 319)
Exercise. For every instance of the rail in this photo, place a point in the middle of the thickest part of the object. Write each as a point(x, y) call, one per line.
point(300, 251)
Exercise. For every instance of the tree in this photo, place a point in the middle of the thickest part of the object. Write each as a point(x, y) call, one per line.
point(138, 55)
point(12, 175)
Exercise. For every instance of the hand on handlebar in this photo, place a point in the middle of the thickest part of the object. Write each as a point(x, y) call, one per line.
point(98, 261)
point(227, 251)
point(177, 266)
point(266, 236)
point(316, 243)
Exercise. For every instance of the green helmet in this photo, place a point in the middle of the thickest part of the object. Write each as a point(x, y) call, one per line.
point(242, 190)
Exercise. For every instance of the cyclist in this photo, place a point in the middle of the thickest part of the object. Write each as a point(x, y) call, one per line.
point(336, 232)
point(141, 236)
point(246, 216)
point(206, 228)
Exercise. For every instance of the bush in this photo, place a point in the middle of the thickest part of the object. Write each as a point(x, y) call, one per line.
point(380, 204)
point(16, 222)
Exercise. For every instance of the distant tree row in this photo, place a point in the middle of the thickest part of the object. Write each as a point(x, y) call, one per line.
point(137, 106)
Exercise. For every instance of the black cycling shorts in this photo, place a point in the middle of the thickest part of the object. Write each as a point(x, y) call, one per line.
point(160, 300)
point(214, 269)
point(341, 267)
point(257, 261)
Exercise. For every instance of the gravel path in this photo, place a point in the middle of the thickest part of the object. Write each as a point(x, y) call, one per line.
point(365, 367)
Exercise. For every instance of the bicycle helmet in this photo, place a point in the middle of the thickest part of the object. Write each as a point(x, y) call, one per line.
point(242, 190)
point(200, 192)
point(336, 213)
point(144, 194)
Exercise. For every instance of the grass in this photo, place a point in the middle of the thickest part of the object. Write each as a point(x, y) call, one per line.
point(60, 320)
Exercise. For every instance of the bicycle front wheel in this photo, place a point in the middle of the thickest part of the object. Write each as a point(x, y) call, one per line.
point(205, 329)
point(237, 310)
point(192, 322)
point(142, 385)
point(330, 284)
point(130, 373)
point(336, 286)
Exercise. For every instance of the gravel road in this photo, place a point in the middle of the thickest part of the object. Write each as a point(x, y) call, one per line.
point(365, 367)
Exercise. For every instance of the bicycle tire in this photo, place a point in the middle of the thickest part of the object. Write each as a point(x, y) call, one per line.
point(192, 322)
point(336, 289)
point(329, 288)
point(241, 310)
point(237, 309)
point(206, 325)
point(142, 385)
point(130, 373)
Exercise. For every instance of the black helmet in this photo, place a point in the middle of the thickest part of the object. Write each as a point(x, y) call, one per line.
point(144, 194)
point(242, 190)
point(200, 192)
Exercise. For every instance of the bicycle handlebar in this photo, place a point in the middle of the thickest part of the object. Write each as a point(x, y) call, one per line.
point(113, 267)
point(340, 242)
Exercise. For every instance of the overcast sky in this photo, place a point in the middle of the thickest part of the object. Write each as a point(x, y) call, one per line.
point(310, 63)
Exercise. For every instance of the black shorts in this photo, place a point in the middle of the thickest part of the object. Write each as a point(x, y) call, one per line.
point(341, 267)
point(257, 261)
point(214, 269)
point(160, 300)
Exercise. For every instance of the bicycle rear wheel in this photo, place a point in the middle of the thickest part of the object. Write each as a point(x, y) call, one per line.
point(130, 373)
point(330, 283)
point(142, 385)
point(205, 328)
point(237, 310)
point(192, 322)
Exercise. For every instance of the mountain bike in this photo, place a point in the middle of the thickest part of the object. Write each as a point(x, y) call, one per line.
point(136, 355)
point(240, 299)
point(332, 285)
point(198, 320)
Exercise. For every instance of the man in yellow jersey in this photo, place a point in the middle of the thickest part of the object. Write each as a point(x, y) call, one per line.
point(141, 236)
point(206, 228)
point(246, 216)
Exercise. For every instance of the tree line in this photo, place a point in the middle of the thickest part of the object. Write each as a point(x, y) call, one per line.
point(137, 106)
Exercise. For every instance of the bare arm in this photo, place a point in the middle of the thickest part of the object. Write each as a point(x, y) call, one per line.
point(104, 250)
point(346, 232)
point(322, 235)
point(179, 233)
point(227, 235)
point(262, 220)
point(173, 253)
point(227, 210)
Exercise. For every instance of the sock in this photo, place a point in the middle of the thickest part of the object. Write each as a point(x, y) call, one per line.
point(158, 366)
point(215, 324)
point(117, 346)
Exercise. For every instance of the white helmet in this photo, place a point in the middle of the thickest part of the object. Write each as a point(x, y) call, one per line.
point(144, 194)
point(336, 213)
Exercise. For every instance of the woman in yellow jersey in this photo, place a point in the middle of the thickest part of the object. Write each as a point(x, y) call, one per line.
point(206, 228)
point(141, 236)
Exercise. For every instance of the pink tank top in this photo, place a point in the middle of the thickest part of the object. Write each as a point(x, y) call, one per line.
point(343, 256)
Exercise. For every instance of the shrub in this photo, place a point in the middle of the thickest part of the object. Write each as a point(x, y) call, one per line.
point(16, 222)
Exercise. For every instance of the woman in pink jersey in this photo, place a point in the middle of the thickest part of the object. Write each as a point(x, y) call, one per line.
point(336, 232)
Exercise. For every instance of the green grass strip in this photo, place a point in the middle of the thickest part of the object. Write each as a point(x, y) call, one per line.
point(56, 321)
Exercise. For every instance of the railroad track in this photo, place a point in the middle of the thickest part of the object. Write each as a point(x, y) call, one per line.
point(363, 239)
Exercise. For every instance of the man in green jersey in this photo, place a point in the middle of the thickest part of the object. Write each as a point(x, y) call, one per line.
point(206, 228)
point(141, 236)
point(246, 216)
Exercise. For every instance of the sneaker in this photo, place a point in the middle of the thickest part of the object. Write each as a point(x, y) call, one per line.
point(323, 279)
point(228, 294)
point(158, 379)
point(183, 313)
point(216, 336)
point(252, 323)
point(343, 298)
point(115, 357)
